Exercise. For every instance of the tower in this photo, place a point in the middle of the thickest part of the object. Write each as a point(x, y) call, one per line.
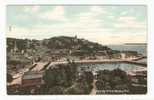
point(75, 37)
point(15, 46)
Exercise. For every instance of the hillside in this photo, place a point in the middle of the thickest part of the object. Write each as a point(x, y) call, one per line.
point(24, 52)
point(64, 42)
point(55, 43)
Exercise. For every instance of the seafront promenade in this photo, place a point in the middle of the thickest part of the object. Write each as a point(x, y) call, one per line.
point(39, 66)
point(101, 61)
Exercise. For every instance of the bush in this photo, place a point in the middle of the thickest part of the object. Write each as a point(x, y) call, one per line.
point(79, 88)
point(115, 79)
point(56, 90)
point(9, 78)
point(60, 75)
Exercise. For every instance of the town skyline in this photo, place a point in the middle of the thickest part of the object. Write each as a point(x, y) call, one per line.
point(102, 24)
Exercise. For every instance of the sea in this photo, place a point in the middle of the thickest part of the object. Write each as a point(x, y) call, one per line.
point(142, 49)
point(139, 48)
point(111, 66)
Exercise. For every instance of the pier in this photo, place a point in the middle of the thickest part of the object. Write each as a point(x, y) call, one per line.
point(129, 61)
point(41, 66)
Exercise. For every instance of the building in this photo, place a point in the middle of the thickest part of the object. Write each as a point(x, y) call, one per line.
point(30, 79)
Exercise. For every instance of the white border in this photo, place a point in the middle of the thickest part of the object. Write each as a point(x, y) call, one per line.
point(148, 96)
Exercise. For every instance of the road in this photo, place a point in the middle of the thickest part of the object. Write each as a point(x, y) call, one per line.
point(40, 65)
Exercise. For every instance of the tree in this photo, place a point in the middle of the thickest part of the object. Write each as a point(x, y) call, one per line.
point(56, 90)
point(9, 78)
point(60, 75)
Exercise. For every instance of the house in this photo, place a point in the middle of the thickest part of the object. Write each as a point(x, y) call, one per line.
point(31, 78)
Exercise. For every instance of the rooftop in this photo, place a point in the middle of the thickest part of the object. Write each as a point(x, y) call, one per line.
point(32, 75)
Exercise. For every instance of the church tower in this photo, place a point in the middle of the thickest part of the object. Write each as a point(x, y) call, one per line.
point(15, 47)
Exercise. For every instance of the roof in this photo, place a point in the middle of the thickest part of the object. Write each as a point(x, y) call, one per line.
point(32, 75)
point(39, 66)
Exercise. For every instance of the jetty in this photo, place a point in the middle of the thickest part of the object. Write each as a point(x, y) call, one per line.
point(103, 61)
point(41, 66)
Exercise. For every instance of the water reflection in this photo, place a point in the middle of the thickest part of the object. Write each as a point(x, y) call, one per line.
point(96, 67)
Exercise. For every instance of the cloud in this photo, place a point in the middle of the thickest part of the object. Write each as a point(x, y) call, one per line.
point(88, 20)
point(94, 11)
point(57, 14)
point(31, 9)
point(89, 25)
point(129, 22)
point(121, 38)
point(97, 10)
point(35, 8)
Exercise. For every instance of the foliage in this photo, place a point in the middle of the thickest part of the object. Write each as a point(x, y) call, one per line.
point(60, 75)
point(112, 79)
point(9, 78)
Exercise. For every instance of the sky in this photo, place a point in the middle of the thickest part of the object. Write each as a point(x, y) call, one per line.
point(102, 24)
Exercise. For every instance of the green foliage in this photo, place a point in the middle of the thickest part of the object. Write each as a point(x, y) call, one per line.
point(9, 78)
point(64, 78)
point(112, 79)
point(60, 75)
point(56, 90)
point(79, 88)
